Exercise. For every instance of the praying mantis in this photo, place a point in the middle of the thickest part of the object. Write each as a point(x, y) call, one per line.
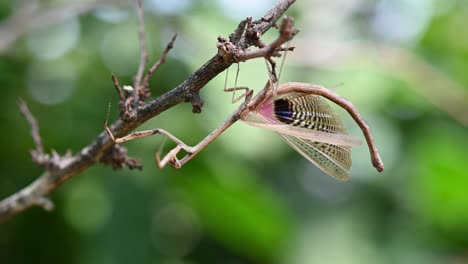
point(299, 113)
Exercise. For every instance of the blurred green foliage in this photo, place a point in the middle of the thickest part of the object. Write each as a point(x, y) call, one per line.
point(248, 197)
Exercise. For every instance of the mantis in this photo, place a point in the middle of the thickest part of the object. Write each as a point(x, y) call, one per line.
point(299, 113)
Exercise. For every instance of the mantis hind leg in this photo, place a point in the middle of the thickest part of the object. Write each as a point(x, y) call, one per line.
point(170, 157)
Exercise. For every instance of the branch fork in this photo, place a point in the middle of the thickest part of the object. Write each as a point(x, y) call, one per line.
point(232, 51)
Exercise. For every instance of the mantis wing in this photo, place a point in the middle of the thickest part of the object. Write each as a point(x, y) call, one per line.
point(313, 135)
point(309, 125)
point(332, 159)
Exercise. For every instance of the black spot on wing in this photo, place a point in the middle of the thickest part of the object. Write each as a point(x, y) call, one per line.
point(283, 111)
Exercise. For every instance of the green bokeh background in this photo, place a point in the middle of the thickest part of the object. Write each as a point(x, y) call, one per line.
point(248, 197)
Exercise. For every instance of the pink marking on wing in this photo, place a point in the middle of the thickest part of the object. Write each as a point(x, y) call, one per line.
point(267, 112)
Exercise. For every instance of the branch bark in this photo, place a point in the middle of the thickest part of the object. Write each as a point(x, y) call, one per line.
point(61, 168)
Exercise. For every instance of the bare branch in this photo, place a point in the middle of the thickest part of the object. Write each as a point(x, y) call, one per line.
point(118, 88)
point(70, 165)
point(161, 60)
point(27, 197)
point(143, 52)
point(34, 126)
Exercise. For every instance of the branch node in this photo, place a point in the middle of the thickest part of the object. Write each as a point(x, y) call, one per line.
point(232, 53)
point(197, 102)
point(38, 156)
point(45, 203)
point(287, 29)
point(236, 36)
point(226, 49)
point(129, 113)
point(117, 158)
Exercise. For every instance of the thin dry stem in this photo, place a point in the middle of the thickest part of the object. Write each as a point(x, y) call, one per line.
point(161, 60)
point(34, 126)
point(118, 88)
point(143, 52)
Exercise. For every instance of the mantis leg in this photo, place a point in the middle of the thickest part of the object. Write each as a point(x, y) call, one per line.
point(234, 89)
point(171, 157)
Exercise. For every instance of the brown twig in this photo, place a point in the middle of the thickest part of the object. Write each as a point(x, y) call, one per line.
point(143, 52)
point(125, 104)
point(118, 88)
point(236, 36)
point(34, 126)
point(69, 166)
point(158, 63)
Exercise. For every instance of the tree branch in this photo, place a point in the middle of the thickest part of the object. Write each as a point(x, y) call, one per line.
point(62, 168)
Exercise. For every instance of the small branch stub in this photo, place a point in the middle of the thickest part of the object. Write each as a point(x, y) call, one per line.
point(117, 158)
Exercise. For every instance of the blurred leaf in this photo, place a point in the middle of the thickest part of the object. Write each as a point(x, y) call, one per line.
point(438, 179)
point(242, 214)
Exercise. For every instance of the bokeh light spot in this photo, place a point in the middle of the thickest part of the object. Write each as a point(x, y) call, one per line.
point(111, 14)
point(51, 42)
point(173, 7)
point(120, 50)
point(403, 20)
point(87, 207)
point(52, 83)
point(176, 229)
point(236, 9)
